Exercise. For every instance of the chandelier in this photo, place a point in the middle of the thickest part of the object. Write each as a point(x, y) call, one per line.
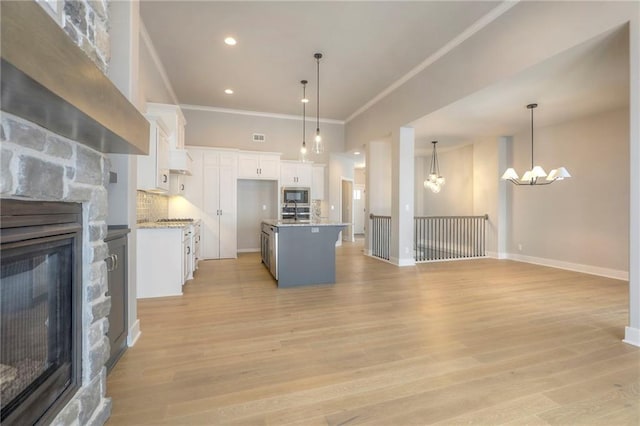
point(434, 181)
point(537, 175)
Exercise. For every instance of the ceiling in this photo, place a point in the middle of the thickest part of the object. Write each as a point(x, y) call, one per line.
point(587, 79)
point(367, 47)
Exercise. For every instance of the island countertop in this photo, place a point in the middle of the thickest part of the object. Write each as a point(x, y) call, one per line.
point(312, 222)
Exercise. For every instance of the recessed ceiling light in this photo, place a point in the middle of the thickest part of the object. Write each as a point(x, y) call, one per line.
point(228, 91)
point(230, 41)
point(304, 100)
point(356, 153)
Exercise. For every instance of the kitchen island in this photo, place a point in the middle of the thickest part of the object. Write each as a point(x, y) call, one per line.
point(300, 252)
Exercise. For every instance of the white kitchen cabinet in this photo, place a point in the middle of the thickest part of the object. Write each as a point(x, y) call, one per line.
point(317, 182)
point(160, 269)
point(174, 120)
point(177, 185)
point(254, 165)
point(153, 169)
point(194, 183)
point(295, 173)
point(219, 205)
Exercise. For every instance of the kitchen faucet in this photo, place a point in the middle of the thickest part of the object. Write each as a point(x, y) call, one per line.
point(295, 208)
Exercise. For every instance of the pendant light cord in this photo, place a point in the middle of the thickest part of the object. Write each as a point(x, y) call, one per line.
point(531, 107)
point(318, 93)
point(304, 105)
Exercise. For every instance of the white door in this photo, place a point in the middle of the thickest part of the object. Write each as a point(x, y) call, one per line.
point(347, 209)
point(211, 219)
point(359, 207)
point(227, 233)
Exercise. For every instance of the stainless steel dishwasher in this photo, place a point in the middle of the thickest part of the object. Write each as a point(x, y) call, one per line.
point(269, 247)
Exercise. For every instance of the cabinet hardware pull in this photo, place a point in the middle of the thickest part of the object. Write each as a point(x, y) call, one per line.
point(111, 263)
point(257, 171)
point(188, 250)
point(182, 187)
point(116, 261)
point(164, 178)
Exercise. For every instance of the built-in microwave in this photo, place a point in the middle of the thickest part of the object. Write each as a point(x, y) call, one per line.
point(299, 196)
point(295, 203)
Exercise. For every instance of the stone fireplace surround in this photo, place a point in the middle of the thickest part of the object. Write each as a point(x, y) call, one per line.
point(36, 164)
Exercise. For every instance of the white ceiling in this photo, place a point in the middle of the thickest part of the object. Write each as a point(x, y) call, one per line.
point(367, 46)
point(587, 79)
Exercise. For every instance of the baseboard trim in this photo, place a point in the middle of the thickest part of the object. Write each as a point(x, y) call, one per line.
point(134, 333)
point(632, 336)
point(402, 262)
point(575, 267)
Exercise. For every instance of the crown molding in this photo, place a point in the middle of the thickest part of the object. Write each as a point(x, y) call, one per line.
point(455, 42)
point(256, 113)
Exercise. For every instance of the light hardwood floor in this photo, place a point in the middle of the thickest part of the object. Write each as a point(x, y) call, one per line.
point(470, 342)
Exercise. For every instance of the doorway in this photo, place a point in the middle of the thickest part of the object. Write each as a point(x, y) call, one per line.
point(359, 209)
point(347, 208)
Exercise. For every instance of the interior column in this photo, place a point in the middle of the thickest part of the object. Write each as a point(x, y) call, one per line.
point(402, 189)
point(632, 331)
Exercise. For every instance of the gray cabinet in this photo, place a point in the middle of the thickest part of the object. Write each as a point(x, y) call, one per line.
point(118, 291)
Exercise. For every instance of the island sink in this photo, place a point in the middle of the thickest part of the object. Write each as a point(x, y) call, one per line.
point(304, 251)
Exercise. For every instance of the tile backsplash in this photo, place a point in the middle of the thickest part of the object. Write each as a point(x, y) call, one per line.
point(151, 207)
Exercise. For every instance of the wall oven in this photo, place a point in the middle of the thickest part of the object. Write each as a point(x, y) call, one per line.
point(296, 203)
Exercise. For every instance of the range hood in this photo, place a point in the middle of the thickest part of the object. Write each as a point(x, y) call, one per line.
point(50, 81)
point(180, 161)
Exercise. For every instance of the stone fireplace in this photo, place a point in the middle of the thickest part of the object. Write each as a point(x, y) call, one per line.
point(39, 165)
point(60, 115)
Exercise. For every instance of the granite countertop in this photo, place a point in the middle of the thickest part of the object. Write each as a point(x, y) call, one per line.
point(312, 222)
point(162, 225)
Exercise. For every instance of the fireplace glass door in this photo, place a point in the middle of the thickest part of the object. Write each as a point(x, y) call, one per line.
point(37, 354)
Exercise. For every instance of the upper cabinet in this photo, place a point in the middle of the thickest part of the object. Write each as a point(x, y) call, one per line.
point(295, 173)
point(179, 159)
point(174, 120)
point(153, 169)
point(254, 165)
point(317, 185)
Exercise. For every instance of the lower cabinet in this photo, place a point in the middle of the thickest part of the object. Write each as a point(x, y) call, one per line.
point(118, 291)
point(161, 261)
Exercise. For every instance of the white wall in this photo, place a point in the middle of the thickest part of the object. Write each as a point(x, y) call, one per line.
point(152, 86)
point(456, 196)
point(486, 189)
point(257, 200)
point(379, 178)
point(234, 130)
point(584, 219)
point(339, 167)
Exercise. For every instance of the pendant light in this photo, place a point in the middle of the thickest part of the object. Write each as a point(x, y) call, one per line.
point(535, 175)
point(434, 181)
point(304, 100)
point(318, 146)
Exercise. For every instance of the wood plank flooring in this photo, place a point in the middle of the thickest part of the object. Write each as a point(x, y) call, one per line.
point(470, 342)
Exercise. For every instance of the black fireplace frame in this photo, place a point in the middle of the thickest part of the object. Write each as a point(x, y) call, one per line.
point(21, 222)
